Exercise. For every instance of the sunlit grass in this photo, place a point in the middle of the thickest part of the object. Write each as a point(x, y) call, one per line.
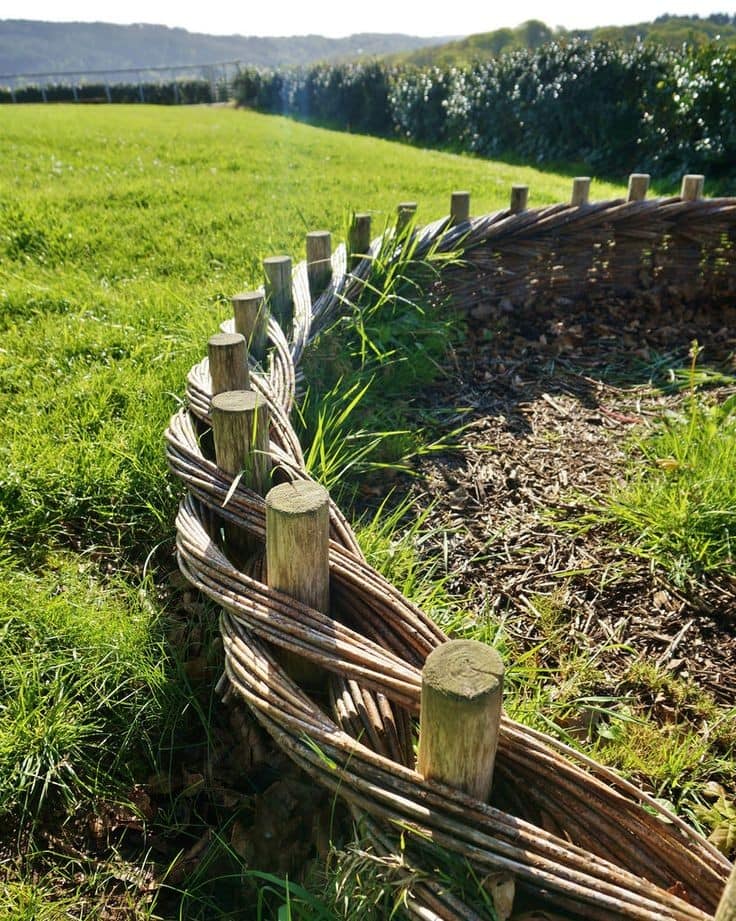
point(123, 234)
point(678, 502)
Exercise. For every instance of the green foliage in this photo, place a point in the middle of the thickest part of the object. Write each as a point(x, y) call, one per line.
point(668, 31)
point(386, 346)
point(174, 92)
point(609, 106)
point(80, 676)
point(124, 230)
point(679, 506)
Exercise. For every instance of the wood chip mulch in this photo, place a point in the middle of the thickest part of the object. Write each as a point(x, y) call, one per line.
point(554, 394)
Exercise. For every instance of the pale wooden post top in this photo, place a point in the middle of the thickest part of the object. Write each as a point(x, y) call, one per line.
point(692, 187)
point(460, 714)
point(228, 359)
point(459, 207)
point(519, 198)
point(638, 186)
point(580, 190)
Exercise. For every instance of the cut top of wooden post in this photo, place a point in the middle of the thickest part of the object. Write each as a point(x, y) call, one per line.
point(692, 187)
point(462, 692)
point(251, 320)
point(580, 191)
point(638, 186)
point(404, 213)
point(459, 207)
point(319, 265)
point(279, 294)
point(519, 198)
point(228, 357)
point(297, 542)
point(359, 238)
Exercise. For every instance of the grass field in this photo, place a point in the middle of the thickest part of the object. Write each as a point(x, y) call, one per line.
point(123, 233)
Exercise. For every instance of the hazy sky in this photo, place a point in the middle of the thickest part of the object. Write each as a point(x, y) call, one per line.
point(299, 17)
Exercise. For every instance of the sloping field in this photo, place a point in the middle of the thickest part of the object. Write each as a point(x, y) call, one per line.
point(123, 233)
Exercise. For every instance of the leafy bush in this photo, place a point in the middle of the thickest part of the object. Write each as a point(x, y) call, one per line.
point(175, 92)
point(614, 108)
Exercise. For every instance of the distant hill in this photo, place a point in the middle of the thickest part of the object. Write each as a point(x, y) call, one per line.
point(672, 31)
point(32, 47)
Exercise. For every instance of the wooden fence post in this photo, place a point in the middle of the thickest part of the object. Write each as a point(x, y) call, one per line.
point(240, 428)
point(519, 198)
point(580, 191)
point(279, 294)
point(638, 186)
point(404, 213)
point(727, 905)
point(359, 238)
point(692, 187)
point(319, 266)
point(462, 695)
point(459, 207)
point(297, 556)
point(228, 357)
point(251, 321)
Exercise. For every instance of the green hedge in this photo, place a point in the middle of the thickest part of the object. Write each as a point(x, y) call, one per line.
point(175, 92)
point(613, 108)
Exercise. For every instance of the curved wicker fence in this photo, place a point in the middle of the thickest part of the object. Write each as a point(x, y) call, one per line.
point(584, 841)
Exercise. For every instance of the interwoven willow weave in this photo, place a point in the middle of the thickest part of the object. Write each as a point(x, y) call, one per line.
point(581, 839)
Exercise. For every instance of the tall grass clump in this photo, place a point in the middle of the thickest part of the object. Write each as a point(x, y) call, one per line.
point(359, 412)
point(81, 685)
point(679, 502)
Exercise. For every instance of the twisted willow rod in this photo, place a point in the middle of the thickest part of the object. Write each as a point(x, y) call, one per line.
point(582, 839)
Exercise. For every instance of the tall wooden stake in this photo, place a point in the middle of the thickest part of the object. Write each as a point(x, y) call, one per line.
point(404, 213)
point(359, 238)
point(228, 358)
point(459, 207)
point(580, 191)
point(462, 692)
point(638, 186)
point(251, 321)
point(692, 187)
point(519, 198)
point(297, 556)
point(279, 292)
point(319, 266)
point(240, 427)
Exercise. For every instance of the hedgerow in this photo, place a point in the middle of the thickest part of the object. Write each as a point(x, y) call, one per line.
point(175, 92)
point(613, 108)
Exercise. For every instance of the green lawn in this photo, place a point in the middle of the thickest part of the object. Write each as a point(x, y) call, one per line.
point(123, 232)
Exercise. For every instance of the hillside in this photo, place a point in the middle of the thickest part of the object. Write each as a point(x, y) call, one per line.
point(672, 31)
point(31, 47)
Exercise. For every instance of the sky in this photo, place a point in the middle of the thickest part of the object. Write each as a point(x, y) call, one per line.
point(299, 17)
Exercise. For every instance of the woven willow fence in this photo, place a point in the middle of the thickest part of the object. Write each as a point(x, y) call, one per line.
point(573, 834)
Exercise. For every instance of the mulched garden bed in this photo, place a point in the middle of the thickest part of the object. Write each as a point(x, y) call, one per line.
point(554, 394)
